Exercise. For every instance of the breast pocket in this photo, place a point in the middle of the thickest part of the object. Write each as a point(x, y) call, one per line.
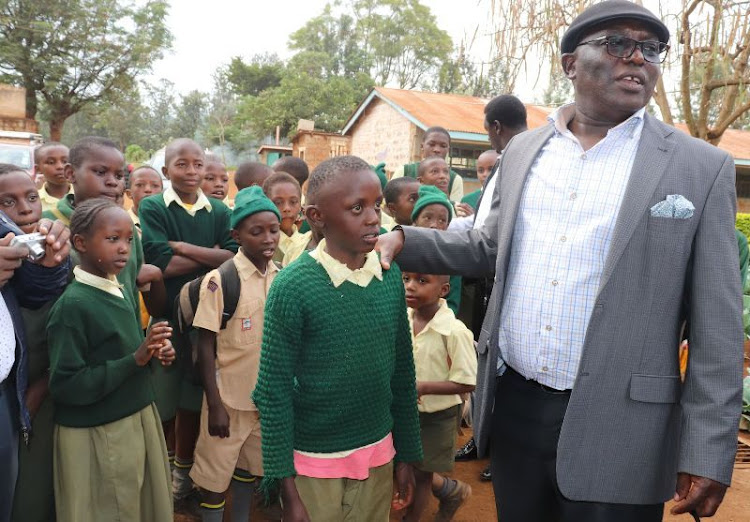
point(246, 325)
point(669, 235)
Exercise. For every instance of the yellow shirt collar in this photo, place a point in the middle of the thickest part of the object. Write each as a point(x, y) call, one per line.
point(134, 218)
point(50, 200)
point(246, 268)
point(170, 196)
point(440, 322)
point(339, 272)
point(109, 284)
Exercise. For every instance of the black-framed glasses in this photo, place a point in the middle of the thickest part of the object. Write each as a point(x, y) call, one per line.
point(624, 47)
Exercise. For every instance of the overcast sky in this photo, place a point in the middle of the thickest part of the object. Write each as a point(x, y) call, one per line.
point(209, 34)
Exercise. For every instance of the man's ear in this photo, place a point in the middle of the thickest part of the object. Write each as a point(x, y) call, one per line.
point(79, 242)
point(69, 173)
point(314, 216)
point(568, 61)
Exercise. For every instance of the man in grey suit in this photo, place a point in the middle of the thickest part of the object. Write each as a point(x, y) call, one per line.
point(608, 232)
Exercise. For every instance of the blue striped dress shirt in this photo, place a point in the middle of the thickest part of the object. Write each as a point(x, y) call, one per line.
point(561, 238)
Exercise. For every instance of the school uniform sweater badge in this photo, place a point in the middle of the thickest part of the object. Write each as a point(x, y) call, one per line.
point(246, 324)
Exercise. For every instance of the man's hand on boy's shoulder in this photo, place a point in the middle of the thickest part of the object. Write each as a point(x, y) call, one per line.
point(57, 248)
point(389, 245)
point(10, 258)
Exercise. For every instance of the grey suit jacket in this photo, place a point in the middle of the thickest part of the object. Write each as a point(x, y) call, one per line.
point(631, 424)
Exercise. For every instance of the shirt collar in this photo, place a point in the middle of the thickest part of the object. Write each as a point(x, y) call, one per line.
point(247, 268)
point(170, 196)
point(50, 200)
point(134, 218)
point(108, 284)
point(440, 322)
point(339, 272)
point(562, 117)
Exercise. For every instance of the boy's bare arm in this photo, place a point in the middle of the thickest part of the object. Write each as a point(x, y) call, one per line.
point(210, 257)
point(218, 419)
point(293, 509)
point(154, 293)
point(181, 265)
point(443, 388)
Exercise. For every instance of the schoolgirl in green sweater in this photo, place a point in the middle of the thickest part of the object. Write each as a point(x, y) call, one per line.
point(336, 387)
point(110, 460)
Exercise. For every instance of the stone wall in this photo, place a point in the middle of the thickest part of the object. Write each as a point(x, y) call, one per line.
point(382, 134)
point(315, 147)
point(12, 102)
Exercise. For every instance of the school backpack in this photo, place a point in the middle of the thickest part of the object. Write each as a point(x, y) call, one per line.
point(184, 335)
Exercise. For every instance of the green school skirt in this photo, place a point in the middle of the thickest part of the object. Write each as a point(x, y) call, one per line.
point(117, 471)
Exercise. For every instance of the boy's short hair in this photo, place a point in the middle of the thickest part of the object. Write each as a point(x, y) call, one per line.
point(173, 146)
point(7, 168)
point(438, 130)
point(508, 110)
point(138, 169)
point(248, 173)
point(395, 187)
point(277, 178)
point(294, 166)
point(44, 146)
point(423, 164)
point(213, 158)
point(85, 146)
point(330, 170)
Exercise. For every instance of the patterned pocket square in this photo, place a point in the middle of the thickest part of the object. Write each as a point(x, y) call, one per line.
point(675, 206)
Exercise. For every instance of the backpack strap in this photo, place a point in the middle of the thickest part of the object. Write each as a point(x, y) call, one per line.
point(230, 288)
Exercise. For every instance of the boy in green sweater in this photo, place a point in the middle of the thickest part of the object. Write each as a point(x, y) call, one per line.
point(336, 387)
point(185, 235)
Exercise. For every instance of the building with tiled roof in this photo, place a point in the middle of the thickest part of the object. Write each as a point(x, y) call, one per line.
point(389, 124)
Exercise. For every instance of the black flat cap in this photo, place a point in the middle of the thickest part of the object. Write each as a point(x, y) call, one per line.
point(610, 10)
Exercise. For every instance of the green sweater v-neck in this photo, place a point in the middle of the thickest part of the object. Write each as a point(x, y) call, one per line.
point(94, 378)
point(337, 368)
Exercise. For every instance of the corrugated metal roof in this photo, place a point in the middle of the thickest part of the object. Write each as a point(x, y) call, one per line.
point(455, 112)
point(735, 141)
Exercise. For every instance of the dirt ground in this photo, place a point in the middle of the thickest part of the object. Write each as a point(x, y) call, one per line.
point(481, 506)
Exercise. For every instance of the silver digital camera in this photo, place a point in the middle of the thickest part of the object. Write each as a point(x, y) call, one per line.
point(34, 243)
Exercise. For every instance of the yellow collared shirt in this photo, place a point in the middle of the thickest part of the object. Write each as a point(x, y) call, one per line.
point(49, 202)
point(295, 248)
point(135, 219)
point(238, 345)
point(170, 196)
point(339, 272)
point(109, 284)
point(294, 243)
point(443, 351)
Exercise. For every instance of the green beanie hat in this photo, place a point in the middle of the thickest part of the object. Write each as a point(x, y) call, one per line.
point(380, 172)
point(249, 201)
point(429, 195)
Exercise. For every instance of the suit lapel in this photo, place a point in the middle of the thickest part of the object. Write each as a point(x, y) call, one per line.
point(652, 157)
point(511, 183)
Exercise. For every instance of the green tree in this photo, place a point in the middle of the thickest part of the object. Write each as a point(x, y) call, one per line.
point(393, 41)
point(73, 53)
point(306, 92)
point(263, 72)
point(189, 116)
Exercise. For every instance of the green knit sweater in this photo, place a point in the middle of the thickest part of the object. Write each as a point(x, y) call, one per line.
point(161, 224)
point(94, 379)
point(336, 368)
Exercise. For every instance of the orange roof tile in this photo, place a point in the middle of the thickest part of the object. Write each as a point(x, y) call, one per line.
point(455, 112)
point(734, 141)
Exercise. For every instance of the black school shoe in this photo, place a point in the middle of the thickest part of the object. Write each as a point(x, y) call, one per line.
point(467, 452)
point(486, 474)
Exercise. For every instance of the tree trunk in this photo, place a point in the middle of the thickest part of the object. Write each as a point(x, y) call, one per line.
point(31, 102)
point(56, 124)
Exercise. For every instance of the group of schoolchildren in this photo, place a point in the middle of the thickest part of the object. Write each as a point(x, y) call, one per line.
point(329, 382)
